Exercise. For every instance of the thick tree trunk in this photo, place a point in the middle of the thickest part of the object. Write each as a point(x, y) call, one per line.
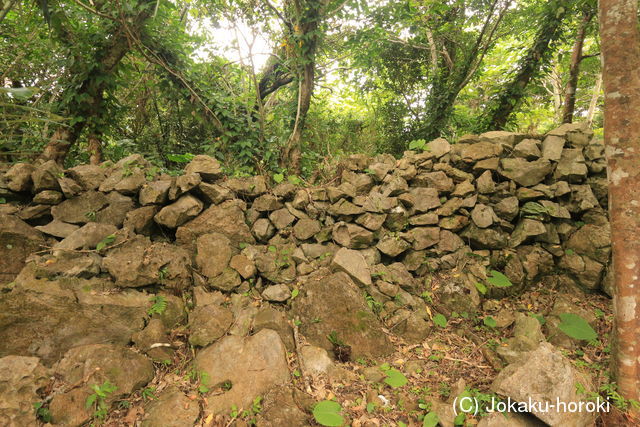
point(91, 109)
point(574, 69)
point(511, 96)
point(621, 59)
point(95, 149)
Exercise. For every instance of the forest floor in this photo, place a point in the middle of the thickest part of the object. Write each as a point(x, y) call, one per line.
point(442, 367)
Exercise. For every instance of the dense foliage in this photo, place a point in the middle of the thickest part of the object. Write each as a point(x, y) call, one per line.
point(93, 80)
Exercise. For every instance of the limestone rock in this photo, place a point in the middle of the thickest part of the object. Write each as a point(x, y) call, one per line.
point(57, 228)
point(339, 304)
point(17, 241)
point(48, 197)
point(45, 176)
point(524, 172)
point(545, 375)
point(123, 368)
point(208, 323)
point(552, 147)
point(80, 209)
point(353, 263)
point(252, 365)
point(18, 177)
point(226, 218)
point(392, 245)
point(250, 186)
point(88, 176)
point(171, 409)
point(206, 166)
point(214, 252)
point(306, 228)
point(20, 379)
point(276, 293)
point(174, 215)
point(155, 192)
point(86, 237)
point(138, 262)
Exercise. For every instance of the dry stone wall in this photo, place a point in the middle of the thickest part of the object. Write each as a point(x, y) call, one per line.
point(525, 206)
point(110, 254)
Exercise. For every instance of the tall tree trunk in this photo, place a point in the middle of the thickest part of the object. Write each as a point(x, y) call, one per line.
point(95, 148)
point(530, 65)
point(621, 60)
point(292, 153)
point(574, 69)
point(91, 108)
point(306, 15)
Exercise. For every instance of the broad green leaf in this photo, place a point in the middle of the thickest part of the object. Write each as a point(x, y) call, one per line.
point(489, 321)
point(106, 241)
point(294, 293)
point(481, 288)
point(576, 327)
point(430, 420)
point(278, 178)
point(440, 320)
point(327, 413)
point(498, 279)
point(395, 378)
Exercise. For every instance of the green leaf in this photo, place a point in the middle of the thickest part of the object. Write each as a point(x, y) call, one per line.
point(576, 327)
point(278, 178)
point(294, 293)
point(490, 322)
point(371, 407)
point(430, 420)
point(417, 144)
point(106, 241)
point(569, 252)
point(395, 378)
point(440, 320)
point(498, 279)
point(385, 367)
point(459, 419)
point(327, 413)
point(539, 317)
point(481, 288)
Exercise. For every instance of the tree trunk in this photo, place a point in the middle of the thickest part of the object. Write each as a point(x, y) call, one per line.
point(574, 69)
point(95, 149)
point(293, 153)
point(539, 52)
point(91, 109)
point(621, 62)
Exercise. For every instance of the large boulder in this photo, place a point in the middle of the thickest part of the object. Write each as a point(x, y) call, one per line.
point(206, 166)
point(138, 262)
point(252, 366)
point(46, 318)
point(174, 215)
point(94, 365)
point(17, 240)
point(226, 218)
point(21, 378)
point(171, 409)
point(334, 304)
point(354, 264)
point(524, 172)
point(81, 209)
point(544, 376)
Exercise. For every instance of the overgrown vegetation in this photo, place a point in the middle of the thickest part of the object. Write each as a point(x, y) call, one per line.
point(286, 86)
